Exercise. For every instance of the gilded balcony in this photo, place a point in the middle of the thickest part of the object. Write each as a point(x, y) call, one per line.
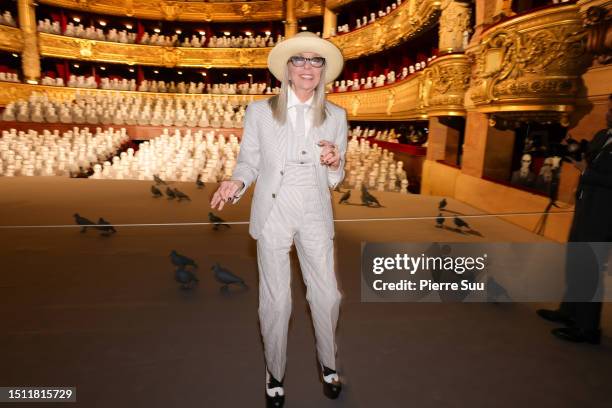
point(399, 101)
point(445, 82)
point(258, 10)
point(11, 39)
point(60, 46)
point(531, 63)
point(406, 21)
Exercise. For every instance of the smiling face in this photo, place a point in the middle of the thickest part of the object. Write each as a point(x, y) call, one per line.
point(305, 78)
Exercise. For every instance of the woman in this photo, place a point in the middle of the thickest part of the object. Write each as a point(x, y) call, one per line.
point(294, 145)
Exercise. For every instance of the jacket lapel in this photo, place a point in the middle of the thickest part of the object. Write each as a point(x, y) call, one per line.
point(280, 141)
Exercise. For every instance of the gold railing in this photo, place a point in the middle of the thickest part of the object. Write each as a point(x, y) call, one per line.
point(259, 10)
point(406, 21)
point(445, 81)
point(11, 39)
point(531, 63)
point(399, 101)
point(60, 46)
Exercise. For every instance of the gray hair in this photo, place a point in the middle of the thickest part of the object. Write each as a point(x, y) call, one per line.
point(278, 103)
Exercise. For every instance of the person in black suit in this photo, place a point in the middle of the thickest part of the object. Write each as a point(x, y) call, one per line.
point(592, 223)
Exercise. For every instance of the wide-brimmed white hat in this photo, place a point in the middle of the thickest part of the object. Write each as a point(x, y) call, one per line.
point(305, 41)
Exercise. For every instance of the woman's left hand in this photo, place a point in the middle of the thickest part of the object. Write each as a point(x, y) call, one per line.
point(330, 155)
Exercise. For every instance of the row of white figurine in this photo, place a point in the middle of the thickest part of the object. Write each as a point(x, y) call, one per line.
point(7, 19)
point(211, 103)
point(93, 33)
point(89, 82)
point(48, 154)
point(118, 109)
point(74, 81)
point(387, 135)
point(176, 157)
point(380, 80)
point(200, 41)
point(9, 77)
point(360, 22)
point(121, 115)
point(126, 37)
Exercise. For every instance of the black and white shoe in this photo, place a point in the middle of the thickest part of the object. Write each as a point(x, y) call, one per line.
point(275, 393)
point(331, 383)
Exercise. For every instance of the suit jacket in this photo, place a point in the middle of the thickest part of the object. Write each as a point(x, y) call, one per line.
point(593, 211)
point(263, 155)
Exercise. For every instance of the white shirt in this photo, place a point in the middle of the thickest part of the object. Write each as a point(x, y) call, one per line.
point(294, 100)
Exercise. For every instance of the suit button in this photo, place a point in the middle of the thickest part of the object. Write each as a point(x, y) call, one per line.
point(282, 172)
point(301, 162)
point(273, 195)
point(303, 151)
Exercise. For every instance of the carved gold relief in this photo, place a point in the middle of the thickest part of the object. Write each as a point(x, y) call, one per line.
point(410, 18)
point(257, 10)
point(11, 39)
point(445, 82)
point(533, 60)
point(400, 101)
point(597, 17)
point(76, 48)
point(336, 4)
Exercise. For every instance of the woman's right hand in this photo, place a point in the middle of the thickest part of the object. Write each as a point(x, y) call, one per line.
point(226, 191)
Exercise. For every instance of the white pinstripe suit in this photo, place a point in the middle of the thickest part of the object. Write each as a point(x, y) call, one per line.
point(263, 154)
point(292, 202)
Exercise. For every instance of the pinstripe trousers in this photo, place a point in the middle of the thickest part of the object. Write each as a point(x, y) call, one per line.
point(297, 217)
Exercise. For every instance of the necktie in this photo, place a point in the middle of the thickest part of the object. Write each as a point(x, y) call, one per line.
point(300, 124)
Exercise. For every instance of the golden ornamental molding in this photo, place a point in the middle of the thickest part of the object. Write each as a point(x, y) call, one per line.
point(399, 101)
point(533, 62)
point(258, 10)
point(10, 92)
point(336, 4)
point(52, 45)
point(445, 82)
point(11, 39)
point(408, 20)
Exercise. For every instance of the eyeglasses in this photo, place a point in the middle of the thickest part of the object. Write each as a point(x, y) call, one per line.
point(315, 62)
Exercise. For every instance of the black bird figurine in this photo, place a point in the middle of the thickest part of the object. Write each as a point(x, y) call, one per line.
point(226, 277)
point(439, 221)
point(185, 277)
point(105, 226)
point(368, 199)
point(170, 193)
point(199, 182)
point(460, 223)
point(85, 222)
point(156, 192)
point(180, 195)
point(181, 260)
point(442, 204)
point(345, 197)
point(217, 221)
point(158, 180)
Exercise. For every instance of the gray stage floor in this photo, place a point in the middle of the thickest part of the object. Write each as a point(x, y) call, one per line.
point(105, 315)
